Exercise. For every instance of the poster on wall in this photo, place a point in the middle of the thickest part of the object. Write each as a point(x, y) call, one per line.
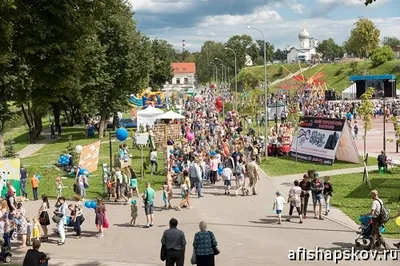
point(89, 158)
point(317, 139)
point(10, 171)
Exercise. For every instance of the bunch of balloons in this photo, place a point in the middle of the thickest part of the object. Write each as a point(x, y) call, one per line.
point(63, 160)
point(83, 171)
point(90, 204)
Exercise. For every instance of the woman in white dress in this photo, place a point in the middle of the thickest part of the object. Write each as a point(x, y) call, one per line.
point(295, 201)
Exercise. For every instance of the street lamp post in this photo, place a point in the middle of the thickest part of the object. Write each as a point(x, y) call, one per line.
point(236, 89)
point(216, 72)
point(265, 91)
point(222, 69)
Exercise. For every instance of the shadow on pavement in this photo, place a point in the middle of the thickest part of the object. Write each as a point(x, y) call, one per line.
point(269, 222)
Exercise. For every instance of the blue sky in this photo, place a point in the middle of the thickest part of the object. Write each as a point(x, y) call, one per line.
point(196, 21)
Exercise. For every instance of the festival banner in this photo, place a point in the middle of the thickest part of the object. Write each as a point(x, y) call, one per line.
point(89, 158)
point(9, 169)
point(317, 139)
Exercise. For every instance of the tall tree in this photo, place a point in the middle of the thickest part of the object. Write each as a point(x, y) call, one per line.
point(391, 41)
point(330, 50)
point(280, 55)
point(163, 55)
point(209, 51)
point(241, 45)
point(269, 49)
point(364, 38)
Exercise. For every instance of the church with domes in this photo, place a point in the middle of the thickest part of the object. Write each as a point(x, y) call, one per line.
point(306, 50)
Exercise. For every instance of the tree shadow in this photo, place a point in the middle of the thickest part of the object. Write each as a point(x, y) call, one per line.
point(388, 189)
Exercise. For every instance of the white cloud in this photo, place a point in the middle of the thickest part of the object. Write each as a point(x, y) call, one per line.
point(280, 34)
point(349, 2)
point(259, 15)
point(161, 6)
point(296, 7)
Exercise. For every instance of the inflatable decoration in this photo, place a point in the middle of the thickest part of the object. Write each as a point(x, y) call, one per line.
point(78, 149)
point(121, 134)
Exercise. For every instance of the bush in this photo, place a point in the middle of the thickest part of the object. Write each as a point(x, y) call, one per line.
point(382, 55)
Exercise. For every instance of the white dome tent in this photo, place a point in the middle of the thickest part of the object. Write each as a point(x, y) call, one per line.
point(148, 116)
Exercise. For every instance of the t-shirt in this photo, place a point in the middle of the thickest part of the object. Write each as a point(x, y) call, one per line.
point(33, 258)
point(118, 174)
point(279, 203)
point(227, 173)
point(153, 156)
point(149, 192)
point(34, 182)
point(376, 206)
point(23, 174)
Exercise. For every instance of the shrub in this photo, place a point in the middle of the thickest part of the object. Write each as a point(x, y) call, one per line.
point(382, 55)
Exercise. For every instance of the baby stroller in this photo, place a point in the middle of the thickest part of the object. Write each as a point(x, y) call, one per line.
point(366, 231)
point(5, 255)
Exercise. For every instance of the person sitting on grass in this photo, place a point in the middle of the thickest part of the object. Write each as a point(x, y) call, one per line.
point(34, 257)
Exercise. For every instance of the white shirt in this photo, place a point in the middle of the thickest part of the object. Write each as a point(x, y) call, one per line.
point(153, 156)
point(227, 173)
point(119, 176)
point(376, 207)
point(279, 203)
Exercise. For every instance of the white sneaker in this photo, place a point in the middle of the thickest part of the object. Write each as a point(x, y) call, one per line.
point(100, 235)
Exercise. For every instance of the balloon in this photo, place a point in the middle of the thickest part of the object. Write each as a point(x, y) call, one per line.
point(86, 173)
point(171, 151)
point(59, 161)
point(189, 136)
point(121, 134)
point(176, 170)
point(38, 176)
point(87, 204)
point(78, 149)
point(220, 171)
point(68, 219)
point(82, 171)
point(93, 204)
point(398, 221)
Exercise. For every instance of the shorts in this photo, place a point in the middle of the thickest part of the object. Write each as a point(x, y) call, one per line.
point(148, 208)
point(317, 198)
point(227, 182)
point(278, 211)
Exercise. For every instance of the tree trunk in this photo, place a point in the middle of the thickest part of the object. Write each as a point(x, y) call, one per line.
point(2, 147)
point(103, 123)
point(56, 113)
point(38, 124)
point(69, 118)
point(115, 121)
point(30, 114)
point(27, 120)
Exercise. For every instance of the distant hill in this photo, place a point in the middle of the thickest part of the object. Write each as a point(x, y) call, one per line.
point(337, 75)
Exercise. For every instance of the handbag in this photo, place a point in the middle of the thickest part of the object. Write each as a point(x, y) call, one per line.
point(215, 248)
point(105, 223)
point(193, 259)
point(57, 218)
point(163, 253)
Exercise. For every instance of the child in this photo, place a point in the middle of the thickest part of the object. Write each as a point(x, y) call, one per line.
point(29, 227)
point(35, 186)
point(227, 175)
point(35, 228)
point(59, 187)
point(165, 196)
point(328, 190)
point(278, 206)
point(355, 128)
point(134, 212)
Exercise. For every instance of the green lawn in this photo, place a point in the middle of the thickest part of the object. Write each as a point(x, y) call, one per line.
point(352, 196)
point(286, 165)
point(20, 136)
point(43, 162)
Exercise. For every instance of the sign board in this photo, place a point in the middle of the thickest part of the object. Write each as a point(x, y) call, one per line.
point(9, 169)
point(321, 140)
point(89, 158)
point(142, 138)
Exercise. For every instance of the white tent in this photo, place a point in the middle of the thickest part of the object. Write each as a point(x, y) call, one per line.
point(350, 93)
point(170, 115)
point(148, 116)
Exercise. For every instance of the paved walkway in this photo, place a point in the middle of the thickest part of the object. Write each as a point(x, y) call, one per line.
point(32, 148)
point(245, 228)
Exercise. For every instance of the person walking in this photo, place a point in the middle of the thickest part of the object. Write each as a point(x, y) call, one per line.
point(294, 201)
point(305, 186)
point(173, 243)
point(62, 213)
point(205, 246)
point(153, 161)
point(23, 178)
point(252, 173)
point(317, 187)
point(148, 198)
point(78, 216)
point(44, 219)
point(328, 190)
point(376, 211)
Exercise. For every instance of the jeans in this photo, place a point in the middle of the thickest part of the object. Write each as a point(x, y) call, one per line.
point(61, 230)
point(35, 193)
point(327, 201)
point(154, 166)
point(175, 257)
point(304, 204)
point(7, 239)
point(23, 189)
point(199, 187)
point(77, 226)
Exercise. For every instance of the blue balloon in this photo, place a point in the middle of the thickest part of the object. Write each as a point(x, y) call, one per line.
point(82, 171)
point(171, 151)
point(220, 171)
point(38, 176)
point(176, 170)
point(87, 204)
point(121, 134)
point(60, 161)
point(93, 204)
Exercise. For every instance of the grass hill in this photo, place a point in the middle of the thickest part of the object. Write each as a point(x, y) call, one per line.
point(336, 74)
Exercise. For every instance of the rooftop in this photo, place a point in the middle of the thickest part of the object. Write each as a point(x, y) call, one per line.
point(183, 67)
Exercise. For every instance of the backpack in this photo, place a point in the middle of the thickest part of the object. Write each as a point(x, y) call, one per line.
point(384, 215)
point(238, 169)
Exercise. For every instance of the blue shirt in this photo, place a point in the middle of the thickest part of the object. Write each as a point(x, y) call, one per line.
point(204, 243)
